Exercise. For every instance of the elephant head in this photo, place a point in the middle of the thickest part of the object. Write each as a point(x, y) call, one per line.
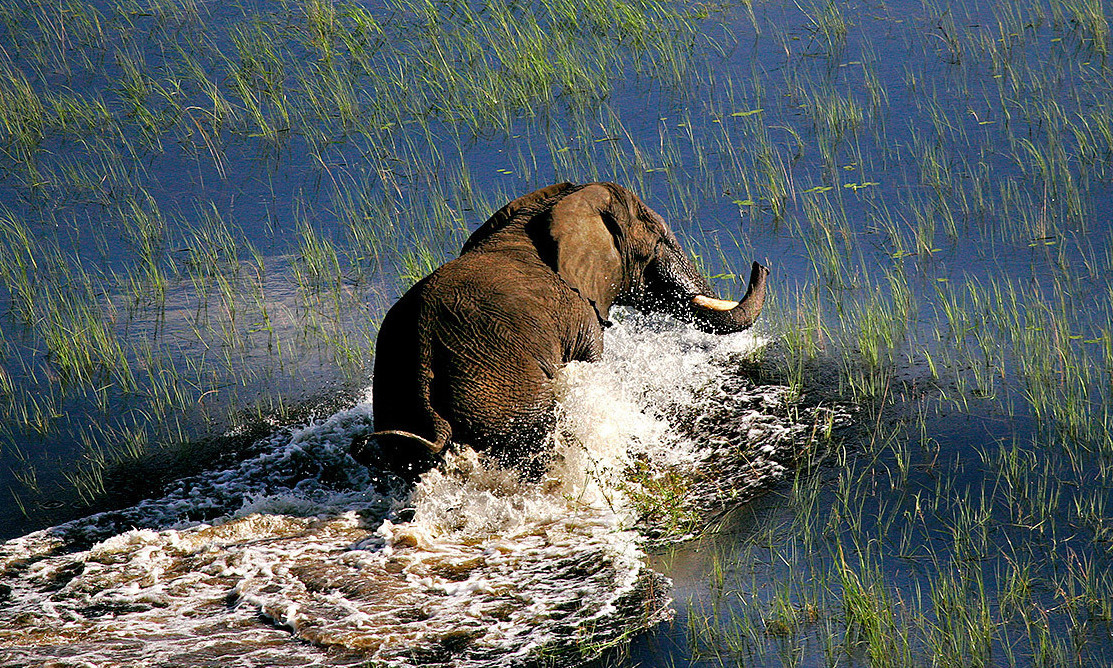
point(468, 354)
point(612, 249)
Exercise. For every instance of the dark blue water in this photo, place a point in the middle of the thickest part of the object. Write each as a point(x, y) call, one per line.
point(932, 146)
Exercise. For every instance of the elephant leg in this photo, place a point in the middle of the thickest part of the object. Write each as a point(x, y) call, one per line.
point(522, 442)
point(495, 382)
point(505, 407)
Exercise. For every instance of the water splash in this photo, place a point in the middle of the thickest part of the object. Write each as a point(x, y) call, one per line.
point(299, 555)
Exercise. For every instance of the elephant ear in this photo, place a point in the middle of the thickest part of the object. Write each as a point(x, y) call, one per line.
point(583, 230)
point(500, 218)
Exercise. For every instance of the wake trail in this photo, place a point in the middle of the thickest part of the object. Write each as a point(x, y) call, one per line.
point(300, 556)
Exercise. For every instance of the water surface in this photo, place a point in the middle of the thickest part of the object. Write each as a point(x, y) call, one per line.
point(206, 210)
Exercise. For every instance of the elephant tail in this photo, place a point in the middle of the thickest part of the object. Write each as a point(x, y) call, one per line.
point(408, 428)
point(401, 451)
point(426, 370)
point(434, 447)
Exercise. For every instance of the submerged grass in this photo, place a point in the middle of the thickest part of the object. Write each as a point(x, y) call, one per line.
point(140, 306)
point(206, 211)
point(907, 552)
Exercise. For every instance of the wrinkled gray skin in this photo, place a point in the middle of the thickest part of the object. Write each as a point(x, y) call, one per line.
point(468, 354)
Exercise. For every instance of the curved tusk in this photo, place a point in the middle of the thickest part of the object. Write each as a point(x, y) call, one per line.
point(713, 304)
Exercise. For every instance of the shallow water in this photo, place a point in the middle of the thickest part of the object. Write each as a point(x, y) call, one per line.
point(931, 183)
point(305, 556)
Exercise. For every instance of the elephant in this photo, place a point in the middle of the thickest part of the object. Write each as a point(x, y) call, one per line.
point(468, 354)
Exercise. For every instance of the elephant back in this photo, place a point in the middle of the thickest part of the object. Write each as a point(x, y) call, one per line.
point(529, 205)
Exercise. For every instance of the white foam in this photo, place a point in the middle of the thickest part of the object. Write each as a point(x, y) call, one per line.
point(475, 568)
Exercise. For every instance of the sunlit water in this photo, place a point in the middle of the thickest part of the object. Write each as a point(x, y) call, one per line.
point(298, 554)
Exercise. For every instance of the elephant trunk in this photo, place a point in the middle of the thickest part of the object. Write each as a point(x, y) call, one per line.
point(676, 286)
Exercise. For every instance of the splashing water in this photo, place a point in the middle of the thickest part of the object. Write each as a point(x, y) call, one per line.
point(306, 557)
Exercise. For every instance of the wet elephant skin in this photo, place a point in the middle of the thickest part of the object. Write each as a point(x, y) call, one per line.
point(468, 354)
